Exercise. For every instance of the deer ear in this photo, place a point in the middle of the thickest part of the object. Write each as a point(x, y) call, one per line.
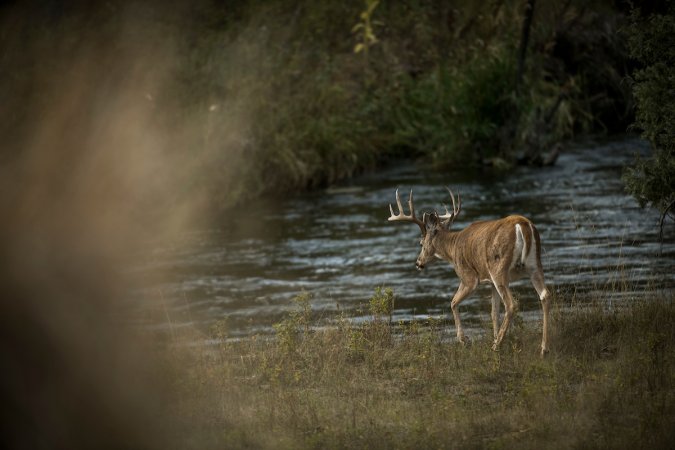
point(430, 220)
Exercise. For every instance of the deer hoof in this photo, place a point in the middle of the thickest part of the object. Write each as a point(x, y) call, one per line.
point(495, 347)
point(544, 352)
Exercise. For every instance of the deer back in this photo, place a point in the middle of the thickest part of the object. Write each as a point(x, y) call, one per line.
point(496, 246)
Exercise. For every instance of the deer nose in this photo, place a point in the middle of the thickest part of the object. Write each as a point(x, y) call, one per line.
point(419, 266)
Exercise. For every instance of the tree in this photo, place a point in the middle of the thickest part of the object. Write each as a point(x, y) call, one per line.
point(651, 42)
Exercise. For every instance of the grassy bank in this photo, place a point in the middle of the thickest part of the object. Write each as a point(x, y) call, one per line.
point(609, 382)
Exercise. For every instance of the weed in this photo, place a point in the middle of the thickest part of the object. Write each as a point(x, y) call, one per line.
point(289, 329)
point(382, 304)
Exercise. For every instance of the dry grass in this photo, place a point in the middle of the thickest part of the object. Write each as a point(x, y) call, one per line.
point(607, 383)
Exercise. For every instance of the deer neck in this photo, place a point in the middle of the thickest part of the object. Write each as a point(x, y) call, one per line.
point(445, 245)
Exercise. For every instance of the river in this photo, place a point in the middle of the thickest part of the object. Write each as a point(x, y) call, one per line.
point(337, 245)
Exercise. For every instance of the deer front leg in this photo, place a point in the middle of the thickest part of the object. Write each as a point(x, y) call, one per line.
point(463, 291)
point(495, 311)
point(505, 293)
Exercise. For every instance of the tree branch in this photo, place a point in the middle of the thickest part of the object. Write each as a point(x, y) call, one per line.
point(663, 217)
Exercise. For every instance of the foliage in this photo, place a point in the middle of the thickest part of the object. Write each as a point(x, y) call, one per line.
point(382, 303)
point(259, 98)
point(288, 330)
point(652, 43)
point(455, 114)
point(364, 29)
point(439, 85)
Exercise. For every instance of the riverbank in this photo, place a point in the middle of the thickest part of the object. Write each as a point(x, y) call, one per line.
point(234, 102)
point(608, 382)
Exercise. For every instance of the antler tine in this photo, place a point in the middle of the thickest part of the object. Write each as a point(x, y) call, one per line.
point(398, 202)
point(401, 216)
point(449, 217)
point(400, 207)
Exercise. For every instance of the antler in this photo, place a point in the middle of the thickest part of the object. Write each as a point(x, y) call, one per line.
point(402, 216)
point(449, 217)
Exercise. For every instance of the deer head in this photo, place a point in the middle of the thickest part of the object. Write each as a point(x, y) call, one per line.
point(431, 226)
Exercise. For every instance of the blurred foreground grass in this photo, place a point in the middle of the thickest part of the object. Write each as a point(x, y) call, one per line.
point(608, 383)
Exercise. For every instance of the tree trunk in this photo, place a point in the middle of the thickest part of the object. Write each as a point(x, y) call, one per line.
point(524, 38)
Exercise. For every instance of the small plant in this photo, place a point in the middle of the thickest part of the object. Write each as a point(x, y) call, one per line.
point(304, 309)
point(219, 330)
point(365, 36)
point(287, 334)
point(382, 304)
point(364, 29)
point(288, 330)
point(356, 344)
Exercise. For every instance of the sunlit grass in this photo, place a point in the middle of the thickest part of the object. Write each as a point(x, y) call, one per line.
point(608, 382)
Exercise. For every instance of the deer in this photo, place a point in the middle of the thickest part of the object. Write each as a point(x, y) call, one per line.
point(492, 251)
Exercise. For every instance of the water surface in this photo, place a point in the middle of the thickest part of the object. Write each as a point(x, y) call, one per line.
point(337, 244)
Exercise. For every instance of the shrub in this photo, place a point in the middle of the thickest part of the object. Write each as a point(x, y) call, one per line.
point(652, 43)
point(456, 113)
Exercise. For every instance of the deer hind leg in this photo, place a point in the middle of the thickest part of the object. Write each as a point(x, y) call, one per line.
point(537, 278)
point(495, 311)
point(462, 292)
point(510, 309)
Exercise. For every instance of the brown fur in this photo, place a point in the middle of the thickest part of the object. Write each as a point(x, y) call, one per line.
point(484, 252)
point(492, 240)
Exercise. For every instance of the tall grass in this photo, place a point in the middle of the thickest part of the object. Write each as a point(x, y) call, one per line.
point(607, 383)
point(269, 97)
point(457, 113)
point(437, 84)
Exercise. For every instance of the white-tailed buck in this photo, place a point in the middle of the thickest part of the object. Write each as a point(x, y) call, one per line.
point(494, 251)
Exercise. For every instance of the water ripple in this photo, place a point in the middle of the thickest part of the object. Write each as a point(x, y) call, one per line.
point(338, 245)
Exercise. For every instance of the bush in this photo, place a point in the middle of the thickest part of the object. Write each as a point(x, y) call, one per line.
point(456, 113)
point(268, 97)
point(652, 43)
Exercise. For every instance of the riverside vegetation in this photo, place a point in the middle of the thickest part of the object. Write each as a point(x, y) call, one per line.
point(340, 87)
point(608, 382)
point(257, 98)
point(261, 98)
point(115, 110)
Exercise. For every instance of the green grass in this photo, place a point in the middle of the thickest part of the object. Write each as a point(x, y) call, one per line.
point(608, 383)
